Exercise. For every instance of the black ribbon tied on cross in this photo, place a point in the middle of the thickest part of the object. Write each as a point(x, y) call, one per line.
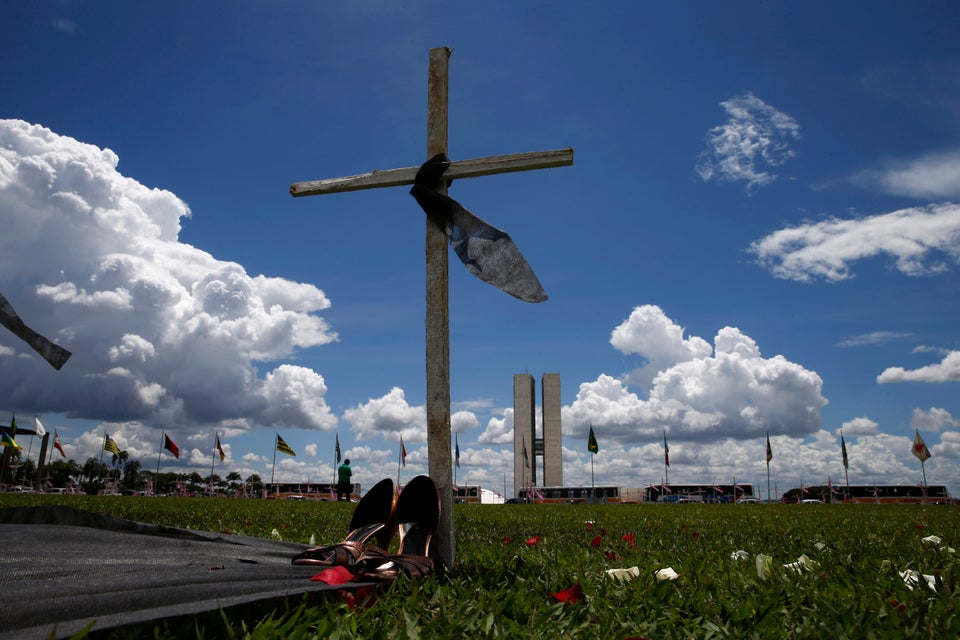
point(52, 353)
point(486, 252)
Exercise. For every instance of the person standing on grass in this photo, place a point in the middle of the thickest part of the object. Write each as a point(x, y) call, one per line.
point(343, 481)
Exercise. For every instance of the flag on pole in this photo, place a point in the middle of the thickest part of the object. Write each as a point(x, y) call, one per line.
point(666, 450)
point(110, 445)
point(920, 448)
point(283, 447)
point(843, 450)
point(403, 453)
point(592, 442)
point(336, 448)
point(38, 428)
point(220, 449)
point(170, 446)
point(769, 450)
point(456, 439)
point(56, 444)
point(9, 439)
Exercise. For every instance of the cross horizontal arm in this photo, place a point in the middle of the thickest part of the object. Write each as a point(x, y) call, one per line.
point(458, 169)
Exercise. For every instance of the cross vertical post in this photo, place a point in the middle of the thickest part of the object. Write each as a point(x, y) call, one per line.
point(438, 318)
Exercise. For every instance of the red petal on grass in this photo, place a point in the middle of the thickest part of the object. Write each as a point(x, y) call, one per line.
point(610, 555)
point(899, 606)
point(603, 531)
point(364, 597)
point(570, 594)
point(333, 576)
point(534, 540)
point(506, 540)
point(596, 541)
point(628, 538)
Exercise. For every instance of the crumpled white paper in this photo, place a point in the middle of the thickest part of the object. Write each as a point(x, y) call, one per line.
point(739, 554)
point(624, 575)
point(912, 578)
point(802, 564)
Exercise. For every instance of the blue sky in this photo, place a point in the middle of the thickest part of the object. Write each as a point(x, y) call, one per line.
point(759, 232)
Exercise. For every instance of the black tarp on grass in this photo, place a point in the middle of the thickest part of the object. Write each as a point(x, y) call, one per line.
point(62, 569)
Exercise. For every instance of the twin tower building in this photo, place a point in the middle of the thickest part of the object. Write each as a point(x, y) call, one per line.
point(527, 447)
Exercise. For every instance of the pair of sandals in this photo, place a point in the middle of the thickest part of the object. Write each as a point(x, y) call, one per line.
point(414, 513)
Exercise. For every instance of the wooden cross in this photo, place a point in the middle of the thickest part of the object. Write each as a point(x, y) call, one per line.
point(437, 303)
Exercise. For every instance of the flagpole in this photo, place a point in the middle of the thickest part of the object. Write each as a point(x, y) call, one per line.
point(213, 461)
point(593, 489)
point(273, 473)
point(768, 465)
point(399, 458)
point(666, 459)
point(846, 475)
point(159, 453)
point(104, 445)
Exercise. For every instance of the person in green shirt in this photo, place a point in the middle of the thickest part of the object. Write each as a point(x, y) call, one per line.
point(344, 485)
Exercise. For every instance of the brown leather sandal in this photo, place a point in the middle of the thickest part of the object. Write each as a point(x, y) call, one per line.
point(373, 518)
point(417, 514)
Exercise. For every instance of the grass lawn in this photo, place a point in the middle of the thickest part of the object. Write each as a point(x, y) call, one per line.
point(516, 563)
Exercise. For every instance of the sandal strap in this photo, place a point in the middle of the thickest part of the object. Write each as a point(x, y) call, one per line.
point(343, 554)
point(377, 564)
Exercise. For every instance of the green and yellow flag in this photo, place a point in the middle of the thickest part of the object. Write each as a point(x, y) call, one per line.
point(592, 442)
point(283, 447)
point(110, 445)
point(9, 439)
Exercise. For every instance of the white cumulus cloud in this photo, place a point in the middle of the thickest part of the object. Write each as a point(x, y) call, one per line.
point(920, 240)
point(697, 393)
point(862, 426)
point(388, 416)
point(948, 370)
point(161, 332)
point(935, 419)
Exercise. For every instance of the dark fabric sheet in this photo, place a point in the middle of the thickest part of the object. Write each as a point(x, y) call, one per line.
point(51, 352)
point(63, 569)
point(486, 252)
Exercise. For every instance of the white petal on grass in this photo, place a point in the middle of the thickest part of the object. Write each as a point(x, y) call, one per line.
point(667, 574)
point(764, 566)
